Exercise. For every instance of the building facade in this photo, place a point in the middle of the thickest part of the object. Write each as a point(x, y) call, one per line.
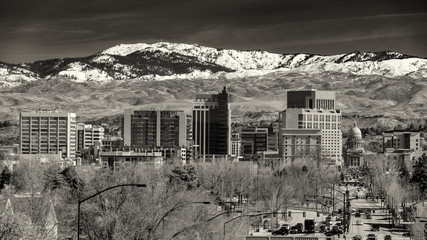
point(402, 146)
point(212, 124)
point(312, 99)
point(118, 159)
point(254, 140)
point(301, 143)
point(236, 146)
point(154, 128)
point(321, 117)
point(88, 135)
point(47, 133)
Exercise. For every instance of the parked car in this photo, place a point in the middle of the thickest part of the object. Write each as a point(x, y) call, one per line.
point(281, 231)
point(372, 237)
point(294, 230)
point(406, 234)
point(287, 226)
point(357, 237)
point(299, 227)
point(359, 222)
point(322, 228)
point(387, 237)
point(357, 214)
point(375, 227)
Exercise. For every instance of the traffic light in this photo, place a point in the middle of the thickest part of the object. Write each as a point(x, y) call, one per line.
point(303, 214)
point(290, 214)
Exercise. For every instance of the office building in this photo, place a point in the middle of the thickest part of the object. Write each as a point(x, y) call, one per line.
point(48, 132)
point(254, 140)
point(313, 110)
point(212, 124)
point(88, 135)
point(312, 99)
point(402, 145)
point(300, 144)
point(154, 128)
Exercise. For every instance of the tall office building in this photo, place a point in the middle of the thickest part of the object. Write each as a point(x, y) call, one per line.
point(154, 128)
point(254, 140)
point(88, 135)
point(212, 124)
point(47, 133)
point(312, 99)
point(313, 110)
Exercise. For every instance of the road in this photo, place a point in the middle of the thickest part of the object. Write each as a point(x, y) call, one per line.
point(379, 217)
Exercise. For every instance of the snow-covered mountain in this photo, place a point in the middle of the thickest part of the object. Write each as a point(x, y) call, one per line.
point(164, 61)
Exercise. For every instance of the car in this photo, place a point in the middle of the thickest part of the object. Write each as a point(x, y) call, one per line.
point(294, 230)
point(322, 228)
point(329, 233)
point(387, 237)
point(357, 214)
point(372, 237)
point(281, 231)
point(329, 218)
point(353, 210)
point(368, 215)
point(357, 237)
point(359, 222)
point(287, 226)
point(406, 234)
point(299, 227)
point(375, 227)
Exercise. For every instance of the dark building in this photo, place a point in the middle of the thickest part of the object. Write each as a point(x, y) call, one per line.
point(212, 124)
point(254, 140)
point(154, 128)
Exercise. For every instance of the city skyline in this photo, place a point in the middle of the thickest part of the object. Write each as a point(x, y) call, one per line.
point(32, 31)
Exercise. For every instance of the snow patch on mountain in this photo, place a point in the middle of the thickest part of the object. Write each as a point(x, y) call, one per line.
point(81, 72)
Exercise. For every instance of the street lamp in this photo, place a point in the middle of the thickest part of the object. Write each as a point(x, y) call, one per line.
point(81, 201)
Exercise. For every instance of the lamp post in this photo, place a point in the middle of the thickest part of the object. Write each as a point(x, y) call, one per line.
point(96, 194)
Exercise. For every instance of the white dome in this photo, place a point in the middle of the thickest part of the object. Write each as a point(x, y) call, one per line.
point(355, 132)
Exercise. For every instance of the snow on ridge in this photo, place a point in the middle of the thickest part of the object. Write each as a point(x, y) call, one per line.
point(81, 72)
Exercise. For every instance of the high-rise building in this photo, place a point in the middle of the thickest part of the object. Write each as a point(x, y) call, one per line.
point(313, 110)
point(48, 133)
point(312, 99)
point(88, 135)
point(154, 128)
point(254, 140)
point(212, 124)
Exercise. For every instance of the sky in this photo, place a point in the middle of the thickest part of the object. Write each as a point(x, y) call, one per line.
point(33, 30)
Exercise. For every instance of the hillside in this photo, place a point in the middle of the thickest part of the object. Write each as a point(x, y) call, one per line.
point(384, 88)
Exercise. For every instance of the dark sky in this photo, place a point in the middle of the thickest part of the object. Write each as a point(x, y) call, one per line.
point(41, 29)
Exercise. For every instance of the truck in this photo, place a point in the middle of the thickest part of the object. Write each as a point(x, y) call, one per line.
point(309, 225)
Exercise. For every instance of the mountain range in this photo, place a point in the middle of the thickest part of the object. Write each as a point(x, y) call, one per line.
point(384, 88)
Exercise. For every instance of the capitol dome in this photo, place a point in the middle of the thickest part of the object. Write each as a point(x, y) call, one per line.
point(355, 132)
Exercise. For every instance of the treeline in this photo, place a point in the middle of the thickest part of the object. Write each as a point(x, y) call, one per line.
point(6, 123)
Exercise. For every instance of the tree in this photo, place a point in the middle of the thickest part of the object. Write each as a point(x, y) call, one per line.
point(5, 177)
point(419, 175)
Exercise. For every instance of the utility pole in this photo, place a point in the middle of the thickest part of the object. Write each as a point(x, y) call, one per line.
point(333, 197)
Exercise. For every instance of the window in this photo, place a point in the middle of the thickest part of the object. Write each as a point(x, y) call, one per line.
point(309, 117)
point(315, 117)
point(328, 118)
point(322, 118)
